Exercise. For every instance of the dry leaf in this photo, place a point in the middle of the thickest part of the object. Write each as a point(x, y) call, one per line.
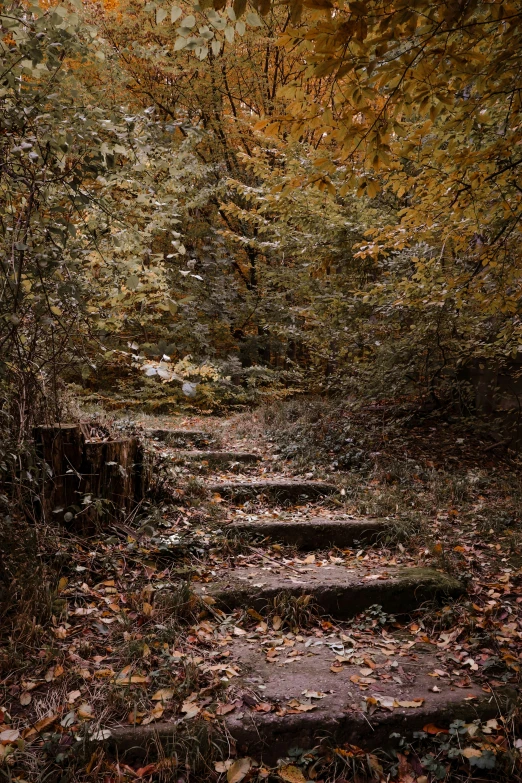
point(224, 709)
point(190, 709)
point(263, 706)
point(291, 774)
point(73, 695)
point(156, 713)
point(277, 622)
point(164, 694)
point(223, 766)
point(430, 728)
point(44, 722)
point(471, 753)
point(25, 699)
point(412, 703)
point(85, 711)
point(239, 770)
point(9, 735)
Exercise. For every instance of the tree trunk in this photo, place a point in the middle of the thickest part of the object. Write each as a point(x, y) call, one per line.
point(88, 483)
point(61, 447)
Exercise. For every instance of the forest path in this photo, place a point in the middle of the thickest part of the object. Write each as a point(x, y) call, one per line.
point(310, 610)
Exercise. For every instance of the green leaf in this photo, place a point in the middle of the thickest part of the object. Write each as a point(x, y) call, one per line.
point(132, 282)
point(161, 15)
point(253, 19)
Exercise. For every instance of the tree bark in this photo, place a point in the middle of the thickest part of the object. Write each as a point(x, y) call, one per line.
point(88, 483)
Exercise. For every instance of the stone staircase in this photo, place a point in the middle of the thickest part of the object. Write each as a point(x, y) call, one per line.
point(357, 686)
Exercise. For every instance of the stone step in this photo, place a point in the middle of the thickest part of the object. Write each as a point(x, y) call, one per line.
point(180, 438)
point(316, 533)
point(337, 591)
point(274, 489)
point(359, 707)
point(217, 457)
point(307, 702)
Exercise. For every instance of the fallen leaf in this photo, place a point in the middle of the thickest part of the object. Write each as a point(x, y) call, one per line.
point(73, 695)
point(155, 714)
point(25, 699)
point(277, 622)
point(44, 722)
point(164, 694)
point(190, 709)
point(412, 703)
point(224, 709)
point(263, 706)
point(291, 774)
point(9, 735)
point(101, 734)
point(430, 728)
point(239, 770)
point(471, 753)
point(143, 771)
point(223, 766)
point(85, 711)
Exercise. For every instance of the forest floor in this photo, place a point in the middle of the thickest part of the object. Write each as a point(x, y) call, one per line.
point(206, 613)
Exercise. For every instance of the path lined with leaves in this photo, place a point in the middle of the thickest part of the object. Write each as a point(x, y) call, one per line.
point(252, 626)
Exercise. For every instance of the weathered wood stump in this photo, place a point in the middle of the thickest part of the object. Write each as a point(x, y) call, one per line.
point(61, 447)
point(87, 483)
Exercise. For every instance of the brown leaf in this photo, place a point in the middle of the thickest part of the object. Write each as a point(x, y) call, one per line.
point(224, 709)
point(471, 753)
point(430, 728)
point(164, 694)
point(155, 714)
point(239, 770)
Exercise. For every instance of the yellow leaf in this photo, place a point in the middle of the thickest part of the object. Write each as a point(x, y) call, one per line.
point(291, 774)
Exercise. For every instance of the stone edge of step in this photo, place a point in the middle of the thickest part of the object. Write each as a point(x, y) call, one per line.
point(399, 594)
point(217, 455)
point(137, 741)
point(272, 485)
point(334, 531)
